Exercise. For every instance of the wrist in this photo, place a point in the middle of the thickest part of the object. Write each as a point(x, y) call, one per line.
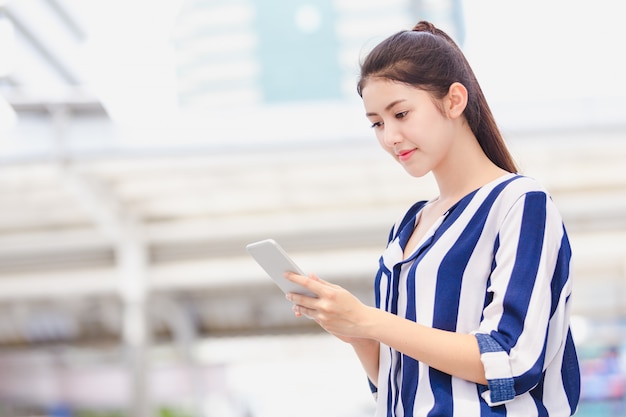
point(363, 345)
point(370, 323)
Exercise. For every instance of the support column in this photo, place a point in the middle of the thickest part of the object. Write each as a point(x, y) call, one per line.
point(132, 260)
point(124, 229)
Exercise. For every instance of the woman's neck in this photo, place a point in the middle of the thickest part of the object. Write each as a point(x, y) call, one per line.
point(466, 169)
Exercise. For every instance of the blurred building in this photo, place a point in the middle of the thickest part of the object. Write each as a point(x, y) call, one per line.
point(265, 52)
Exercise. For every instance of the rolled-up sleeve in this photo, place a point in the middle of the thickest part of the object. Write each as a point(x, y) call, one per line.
point(527, 294)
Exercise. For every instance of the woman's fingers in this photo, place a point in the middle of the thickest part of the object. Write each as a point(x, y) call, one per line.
point(303, 312)
point(301, 300)
point(335, 309)
point(311, 283)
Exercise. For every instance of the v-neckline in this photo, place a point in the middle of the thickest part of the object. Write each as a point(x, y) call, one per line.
point(438, 222)
point(428, 234)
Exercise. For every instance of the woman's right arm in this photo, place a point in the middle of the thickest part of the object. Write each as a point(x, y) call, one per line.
point(367, 351)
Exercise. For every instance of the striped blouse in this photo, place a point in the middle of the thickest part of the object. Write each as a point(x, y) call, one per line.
point(495, 265)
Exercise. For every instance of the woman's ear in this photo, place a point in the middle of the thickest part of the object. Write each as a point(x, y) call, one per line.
point(456, 100)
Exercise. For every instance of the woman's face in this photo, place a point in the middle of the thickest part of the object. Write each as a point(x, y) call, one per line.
point(408, 124)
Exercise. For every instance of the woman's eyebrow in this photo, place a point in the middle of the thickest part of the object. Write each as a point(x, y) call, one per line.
point(389, 106)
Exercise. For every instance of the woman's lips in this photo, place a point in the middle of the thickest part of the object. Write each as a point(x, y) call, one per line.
point(404, 155)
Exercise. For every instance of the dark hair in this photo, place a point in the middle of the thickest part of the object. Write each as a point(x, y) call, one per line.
point(428, 59)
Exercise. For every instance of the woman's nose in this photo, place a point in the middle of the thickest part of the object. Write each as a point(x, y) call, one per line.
point(391, 136)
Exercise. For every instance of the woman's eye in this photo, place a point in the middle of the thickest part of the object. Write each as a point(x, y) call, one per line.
point(376, 124)
point(401, 115)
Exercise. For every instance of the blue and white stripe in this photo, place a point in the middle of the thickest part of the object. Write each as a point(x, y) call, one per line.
point(495, 265)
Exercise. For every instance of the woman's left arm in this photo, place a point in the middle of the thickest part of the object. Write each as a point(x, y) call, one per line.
point(342, 314)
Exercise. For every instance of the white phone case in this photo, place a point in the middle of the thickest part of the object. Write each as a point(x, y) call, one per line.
point(275, 261)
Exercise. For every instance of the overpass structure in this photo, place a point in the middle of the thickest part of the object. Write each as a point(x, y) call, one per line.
point(90, 243)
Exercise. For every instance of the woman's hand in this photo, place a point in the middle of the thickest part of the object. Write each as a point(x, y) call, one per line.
point(341, 314)
point(335, 309)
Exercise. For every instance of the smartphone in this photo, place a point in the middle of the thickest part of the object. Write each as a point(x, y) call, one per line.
point(275, 261)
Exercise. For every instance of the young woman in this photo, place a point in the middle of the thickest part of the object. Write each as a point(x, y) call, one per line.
point(473, 290)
